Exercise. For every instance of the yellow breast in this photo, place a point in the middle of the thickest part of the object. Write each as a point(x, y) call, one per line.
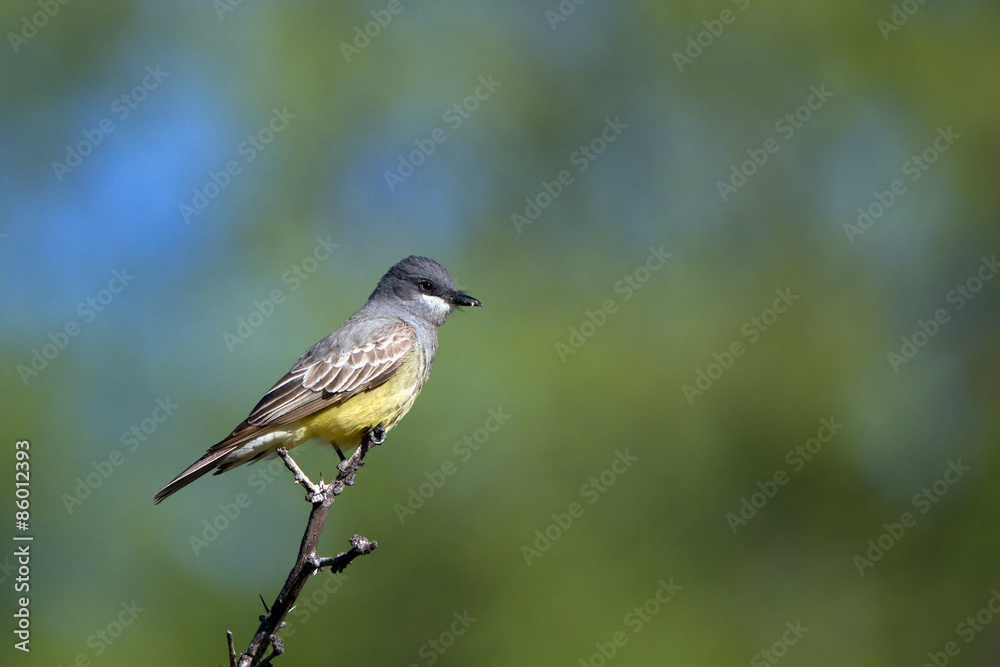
point(386, 404)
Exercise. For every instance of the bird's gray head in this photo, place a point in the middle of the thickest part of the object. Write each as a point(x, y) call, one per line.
point(423, 288)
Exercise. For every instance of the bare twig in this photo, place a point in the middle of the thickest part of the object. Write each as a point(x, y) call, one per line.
point(313, 491)
point(321, 496)
point(359, 547)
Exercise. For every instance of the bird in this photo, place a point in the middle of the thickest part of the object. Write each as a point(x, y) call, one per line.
point(359, 380)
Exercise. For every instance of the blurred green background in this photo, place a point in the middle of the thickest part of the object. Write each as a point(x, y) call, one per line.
point(661, 418)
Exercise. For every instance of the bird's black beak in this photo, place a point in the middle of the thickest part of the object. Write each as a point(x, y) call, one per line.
point(459, 299)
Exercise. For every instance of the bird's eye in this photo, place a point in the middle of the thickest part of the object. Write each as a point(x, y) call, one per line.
point(425, 286)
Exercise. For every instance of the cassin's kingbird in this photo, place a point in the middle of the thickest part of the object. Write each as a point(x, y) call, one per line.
point(362, 377)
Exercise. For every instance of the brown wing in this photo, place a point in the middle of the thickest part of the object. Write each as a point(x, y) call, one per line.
point(334, 378)
point(327, 380)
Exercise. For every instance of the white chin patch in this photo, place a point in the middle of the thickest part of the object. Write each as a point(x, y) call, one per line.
point(438, 306)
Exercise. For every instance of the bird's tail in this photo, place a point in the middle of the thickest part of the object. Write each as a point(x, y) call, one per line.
point(202, 466)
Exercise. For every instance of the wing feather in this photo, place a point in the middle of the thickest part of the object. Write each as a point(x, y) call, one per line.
point(334, 377)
